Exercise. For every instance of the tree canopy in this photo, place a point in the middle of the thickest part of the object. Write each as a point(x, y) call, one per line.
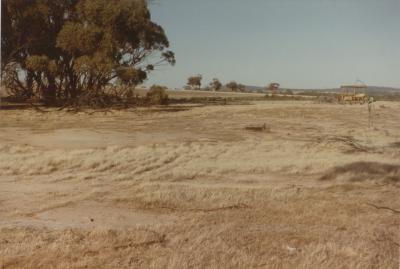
point(215, 84)
point(195, 81)
point(232, 85)
point(241, 87)
point(63, 49)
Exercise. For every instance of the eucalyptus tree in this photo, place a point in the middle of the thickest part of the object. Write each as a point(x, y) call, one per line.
point(232, 85)
point(63, 49)
point(195, 81)
point(215, 84)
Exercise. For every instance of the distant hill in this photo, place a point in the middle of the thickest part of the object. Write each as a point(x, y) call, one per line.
point(372, 90)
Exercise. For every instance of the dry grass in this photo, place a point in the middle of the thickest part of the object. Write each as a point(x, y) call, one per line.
point(194, 189)
point(179, 94)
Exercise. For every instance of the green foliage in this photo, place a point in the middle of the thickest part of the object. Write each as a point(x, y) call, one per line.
point(38, 63)
point(66, 48)
point(131, 76)
point(232, 85)
point(215, 84)
point(157, 95)
point(195, 81)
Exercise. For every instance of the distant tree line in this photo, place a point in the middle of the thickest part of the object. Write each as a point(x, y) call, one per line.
point(194, 83)
point(64, 50)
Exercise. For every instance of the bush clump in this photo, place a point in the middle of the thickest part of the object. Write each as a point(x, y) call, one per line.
point(157, 95)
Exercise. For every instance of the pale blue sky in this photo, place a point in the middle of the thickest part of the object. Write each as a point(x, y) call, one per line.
point(299, 43)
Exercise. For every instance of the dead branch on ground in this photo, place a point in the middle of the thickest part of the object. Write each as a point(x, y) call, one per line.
point(384, 207)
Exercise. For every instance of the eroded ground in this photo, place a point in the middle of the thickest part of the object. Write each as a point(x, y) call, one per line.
point(191, 187)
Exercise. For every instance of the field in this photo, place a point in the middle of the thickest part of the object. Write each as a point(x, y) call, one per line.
point(199, 186)
point(178, 94)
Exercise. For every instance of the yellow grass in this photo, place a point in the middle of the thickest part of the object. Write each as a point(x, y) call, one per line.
point(146, 188)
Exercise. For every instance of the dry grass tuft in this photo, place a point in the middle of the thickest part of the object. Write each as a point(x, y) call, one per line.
point(361, 171)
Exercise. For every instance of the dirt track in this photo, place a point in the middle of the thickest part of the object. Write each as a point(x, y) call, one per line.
point(191, 187)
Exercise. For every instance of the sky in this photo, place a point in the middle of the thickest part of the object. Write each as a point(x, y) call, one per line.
point(297, 43)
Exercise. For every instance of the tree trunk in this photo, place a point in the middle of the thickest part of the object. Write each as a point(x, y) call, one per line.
point(49, 92)
point(29, 84)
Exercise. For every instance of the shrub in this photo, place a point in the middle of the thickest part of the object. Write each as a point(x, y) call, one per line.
point(157, 95)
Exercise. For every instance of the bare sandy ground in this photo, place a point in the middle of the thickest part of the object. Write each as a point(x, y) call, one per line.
point(191, 187)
